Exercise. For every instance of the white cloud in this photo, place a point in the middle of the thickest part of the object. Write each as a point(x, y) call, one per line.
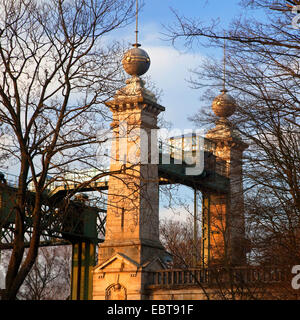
point(170, 70)
point(169, 214)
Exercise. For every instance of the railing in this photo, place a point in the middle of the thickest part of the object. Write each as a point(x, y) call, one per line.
point(178, 146)
point(69, 180)
point(9, 179)
point(178, 277)
point(175, 277)
point(188, 152)
point(78, 178)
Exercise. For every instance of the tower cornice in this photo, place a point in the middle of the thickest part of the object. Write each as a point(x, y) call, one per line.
point(134, 103)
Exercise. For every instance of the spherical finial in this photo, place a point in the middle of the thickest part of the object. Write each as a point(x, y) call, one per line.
point(136, 61)
point(224, 105)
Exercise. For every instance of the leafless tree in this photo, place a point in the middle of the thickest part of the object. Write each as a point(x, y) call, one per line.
point(262, 72)
point(49, 278)
point(56, 72)
point(178, 239)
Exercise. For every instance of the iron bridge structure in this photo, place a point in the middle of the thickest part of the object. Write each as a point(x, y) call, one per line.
point(82, 225)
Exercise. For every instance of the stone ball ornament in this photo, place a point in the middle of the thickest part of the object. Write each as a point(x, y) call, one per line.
point(224, 105)
point(136, 61)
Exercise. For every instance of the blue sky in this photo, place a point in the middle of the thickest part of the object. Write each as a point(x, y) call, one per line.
point(159, 10)
point(170, 67)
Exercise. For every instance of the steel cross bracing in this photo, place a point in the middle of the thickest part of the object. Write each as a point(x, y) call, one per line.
point(81, 222)
point(60, 224)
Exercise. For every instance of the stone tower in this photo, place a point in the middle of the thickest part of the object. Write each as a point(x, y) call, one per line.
point(131, 246)
point(224, 219)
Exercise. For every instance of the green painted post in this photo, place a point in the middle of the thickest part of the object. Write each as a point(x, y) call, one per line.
point(195, 258)
point(205, 230)
point(83, 261)
point(74, 272)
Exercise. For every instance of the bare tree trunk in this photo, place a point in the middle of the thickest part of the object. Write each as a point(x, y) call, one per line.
point(56, 75)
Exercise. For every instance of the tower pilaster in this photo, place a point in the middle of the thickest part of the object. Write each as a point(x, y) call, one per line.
point(132, 246)
point(224, 227)
point(227, 210)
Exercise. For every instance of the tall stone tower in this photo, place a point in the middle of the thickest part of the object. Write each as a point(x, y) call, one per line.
point(225, 242)
point(131, 246)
